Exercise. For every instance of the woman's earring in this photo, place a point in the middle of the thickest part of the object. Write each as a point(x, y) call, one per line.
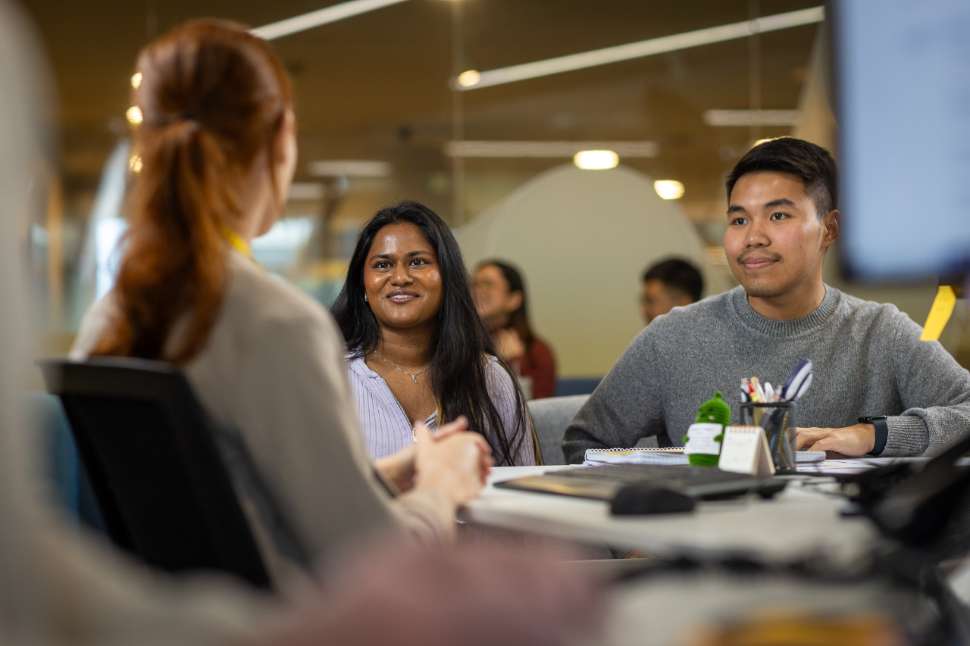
point(365, 298)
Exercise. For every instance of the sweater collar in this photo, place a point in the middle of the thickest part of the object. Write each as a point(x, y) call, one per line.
point(772, 327)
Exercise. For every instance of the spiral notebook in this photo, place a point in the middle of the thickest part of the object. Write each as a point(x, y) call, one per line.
point(666, 455)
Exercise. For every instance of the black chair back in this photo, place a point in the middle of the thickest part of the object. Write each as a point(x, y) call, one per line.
point(154, 462)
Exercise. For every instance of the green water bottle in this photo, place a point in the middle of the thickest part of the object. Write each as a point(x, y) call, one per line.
point(703, 440)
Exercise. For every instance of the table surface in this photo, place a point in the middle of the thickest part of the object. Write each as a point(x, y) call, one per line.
point(796, 521)
point(673, 609)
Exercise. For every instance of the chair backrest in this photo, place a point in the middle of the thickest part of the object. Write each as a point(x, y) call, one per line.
point(550, 418)
point(62, 464)
point(152, 457)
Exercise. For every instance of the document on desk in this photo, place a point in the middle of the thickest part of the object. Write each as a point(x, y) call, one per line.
point(844, 466)
point(667, 455)
point(671, 455)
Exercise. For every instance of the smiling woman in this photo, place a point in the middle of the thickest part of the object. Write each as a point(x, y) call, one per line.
point(418, 351)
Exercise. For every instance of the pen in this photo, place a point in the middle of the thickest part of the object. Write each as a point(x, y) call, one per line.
point(796, 379)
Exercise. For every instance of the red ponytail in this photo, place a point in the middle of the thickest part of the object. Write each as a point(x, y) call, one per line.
point(212, 98)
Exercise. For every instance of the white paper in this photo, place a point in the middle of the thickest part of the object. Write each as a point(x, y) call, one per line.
point(745, 450)
point(673, 455)
point(843, 466)
point(700, 439)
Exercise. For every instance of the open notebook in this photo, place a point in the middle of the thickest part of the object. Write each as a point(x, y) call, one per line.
point(668, 455)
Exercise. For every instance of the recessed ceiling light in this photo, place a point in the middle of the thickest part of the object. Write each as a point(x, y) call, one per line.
point(136, 80)
point(134, 115)
point(669, 189)
point(596, 159)
point(469, 78)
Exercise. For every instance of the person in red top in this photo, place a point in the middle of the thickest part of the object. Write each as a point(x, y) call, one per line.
point(500, 297)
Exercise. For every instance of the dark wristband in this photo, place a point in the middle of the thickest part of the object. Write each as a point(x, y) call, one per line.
point(882, 432)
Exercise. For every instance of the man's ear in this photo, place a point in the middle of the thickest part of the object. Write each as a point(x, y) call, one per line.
point(830, 228)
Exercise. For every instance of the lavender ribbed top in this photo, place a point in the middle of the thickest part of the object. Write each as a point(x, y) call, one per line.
point(386, 426)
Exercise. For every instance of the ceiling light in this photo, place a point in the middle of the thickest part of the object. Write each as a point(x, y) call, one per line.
point(135, 164)
point(469, 78)
point(134, 115)
point(319, 17)
point(136, 80)
point(669, 189)
point(649, 47)
point(596, 159)
point(306, 191)
point(546, 149)
point(747, 118)
point(362, 168)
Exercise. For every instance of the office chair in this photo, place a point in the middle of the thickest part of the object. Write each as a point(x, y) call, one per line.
point(550, 417)
point(161, 471)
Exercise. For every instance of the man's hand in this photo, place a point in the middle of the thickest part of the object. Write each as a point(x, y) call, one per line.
point(853, 441)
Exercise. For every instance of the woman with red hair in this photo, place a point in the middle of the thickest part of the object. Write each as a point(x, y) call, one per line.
point(218, 150)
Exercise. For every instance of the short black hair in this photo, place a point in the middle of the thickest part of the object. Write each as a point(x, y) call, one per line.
point(677, 273)
point(807, 161)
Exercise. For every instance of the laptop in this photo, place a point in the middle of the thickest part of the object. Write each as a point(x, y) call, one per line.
point(601, 482)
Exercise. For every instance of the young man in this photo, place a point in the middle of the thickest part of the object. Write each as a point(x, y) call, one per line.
point(668, 284)
point(877, 388)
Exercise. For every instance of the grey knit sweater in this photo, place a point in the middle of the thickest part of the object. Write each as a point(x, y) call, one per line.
point(868, 361)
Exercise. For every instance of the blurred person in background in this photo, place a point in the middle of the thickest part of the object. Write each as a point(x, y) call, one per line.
point(218, 147)
point(503, 305)
point(418, 351)
point(61, 586)
point(667, 284)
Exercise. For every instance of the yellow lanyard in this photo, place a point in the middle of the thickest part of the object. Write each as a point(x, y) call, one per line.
point(940, 313)
point(236, 242)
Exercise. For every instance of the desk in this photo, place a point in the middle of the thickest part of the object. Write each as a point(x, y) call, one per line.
point(670, 609)
point(798, 520)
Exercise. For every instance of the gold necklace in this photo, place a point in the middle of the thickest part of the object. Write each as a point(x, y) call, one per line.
point(413, 374)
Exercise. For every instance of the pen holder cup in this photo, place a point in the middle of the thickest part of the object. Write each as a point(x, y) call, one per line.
point(775, 418)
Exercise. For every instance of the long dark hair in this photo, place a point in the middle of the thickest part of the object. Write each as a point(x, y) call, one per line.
point(459, 343)
point(519, 319)
point(212, 97)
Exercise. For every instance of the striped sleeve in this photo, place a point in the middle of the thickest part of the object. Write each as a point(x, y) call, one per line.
point(385, 428)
